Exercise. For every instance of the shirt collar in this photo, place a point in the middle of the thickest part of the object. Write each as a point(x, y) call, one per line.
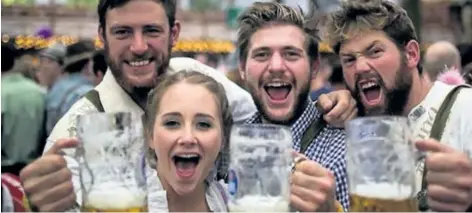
point(310, 114)
point(157, 196)
point(114, 98)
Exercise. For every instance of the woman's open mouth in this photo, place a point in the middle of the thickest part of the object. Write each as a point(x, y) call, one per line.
point(186, 164)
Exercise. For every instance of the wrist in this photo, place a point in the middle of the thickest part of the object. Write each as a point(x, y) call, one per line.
point(331, 206)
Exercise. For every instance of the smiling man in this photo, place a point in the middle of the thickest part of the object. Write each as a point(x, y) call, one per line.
point(278, 56)
point(380, 56)
point(138, 36)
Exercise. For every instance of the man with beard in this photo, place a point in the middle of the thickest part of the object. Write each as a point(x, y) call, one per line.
point(380, 57)
point(278, 56)
point(138, 37)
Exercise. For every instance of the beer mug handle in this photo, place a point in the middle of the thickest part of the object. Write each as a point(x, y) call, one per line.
point(83, 167)
point(141, 176)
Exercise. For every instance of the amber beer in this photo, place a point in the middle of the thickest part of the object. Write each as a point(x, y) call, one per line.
point(117, 200)
point(92, 209)
point(382, 198)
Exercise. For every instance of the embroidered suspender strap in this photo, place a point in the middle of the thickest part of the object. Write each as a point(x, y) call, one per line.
point(223, 194)
point(311, 133)
point(436, 133)
point(94, 98)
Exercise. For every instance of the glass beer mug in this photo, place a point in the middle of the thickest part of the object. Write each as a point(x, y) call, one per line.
point(381, 165)
point(260, 168)
point(111, 162)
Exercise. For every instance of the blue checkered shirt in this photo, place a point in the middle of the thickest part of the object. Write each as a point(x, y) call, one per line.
point(328, 148)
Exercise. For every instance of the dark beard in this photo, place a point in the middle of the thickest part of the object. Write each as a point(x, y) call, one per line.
point(138, 93)
point(300, 105)
point(395, 98)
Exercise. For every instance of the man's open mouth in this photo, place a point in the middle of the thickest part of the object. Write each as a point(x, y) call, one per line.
point(186, 164)
point(371, 91)
point(278, 91)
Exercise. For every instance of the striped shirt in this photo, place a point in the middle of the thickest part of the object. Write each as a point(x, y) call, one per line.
point(328, 148)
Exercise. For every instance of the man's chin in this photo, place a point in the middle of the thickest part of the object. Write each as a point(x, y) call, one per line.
point(278, 116)
point(142, 81)
point(374, 111)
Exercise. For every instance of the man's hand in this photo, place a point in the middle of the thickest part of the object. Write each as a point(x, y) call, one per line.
point(313, 187)
point(48, 182)
point(337, 107)
point(449, 177)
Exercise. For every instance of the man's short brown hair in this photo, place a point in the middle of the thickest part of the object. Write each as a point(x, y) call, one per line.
point(265, 14)
point(359, 16)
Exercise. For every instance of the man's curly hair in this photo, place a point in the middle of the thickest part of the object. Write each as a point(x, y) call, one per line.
point(359, 16)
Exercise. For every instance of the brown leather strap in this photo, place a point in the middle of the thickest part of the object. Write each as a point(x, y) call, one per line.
point(94, 98)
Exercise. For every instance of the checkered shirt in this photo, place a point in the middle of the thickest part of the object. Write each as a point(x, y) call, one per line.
point(328, 148)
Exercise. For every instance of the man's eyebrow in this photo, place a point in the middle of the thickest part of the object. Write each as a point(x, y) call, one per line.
point(371, 45)
point(260, 49)
point(149, 25)
point(293, 48)
point(153, 25)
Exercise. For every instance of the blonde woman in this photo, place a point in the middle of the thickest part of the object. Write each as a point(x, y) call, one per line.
point(187, 129)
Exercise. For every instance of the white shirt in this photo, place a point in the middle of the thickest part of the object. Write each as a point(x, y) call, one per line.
point(458, 130)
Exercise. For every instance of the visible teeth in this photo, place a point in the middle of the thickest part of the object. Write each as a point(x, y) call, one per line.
point(139, 63)
point(188, 155)
point(368, 85)
point(277, 84)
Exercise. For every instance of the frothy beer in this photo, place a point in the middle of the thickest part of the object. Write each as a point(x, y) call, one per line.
point(255, 203)
point(383, 197)
point(115, 199)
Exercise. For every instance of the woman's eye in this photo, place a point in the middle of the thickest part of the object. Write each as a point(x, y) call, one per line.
point(203, 125)
point(171, 124)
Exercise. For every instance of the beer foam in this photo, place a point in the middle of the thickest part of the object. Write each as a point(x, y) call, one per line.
point(254, 203)
point(392, 191)
point(116, 197)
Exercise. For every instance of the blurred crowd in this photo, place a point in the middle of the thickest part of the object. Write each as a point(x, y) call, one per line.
point(37, 89)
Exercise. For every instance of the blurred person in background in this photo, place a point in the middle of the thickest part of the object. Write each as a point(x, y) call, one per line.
point(320, 80)
point(467, 73)
point(51, 61)
point(232, 69)
point(23, 115)
point(439, 57)
point(76, 81)
point(208, 59)
point(337, 80)
point(466, 63)
point(99, 66)
point(28, 65)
